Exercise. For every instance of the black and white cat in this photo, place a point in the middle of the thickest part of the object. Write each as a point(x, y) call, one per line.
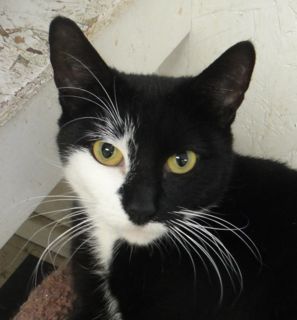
point(174, 224)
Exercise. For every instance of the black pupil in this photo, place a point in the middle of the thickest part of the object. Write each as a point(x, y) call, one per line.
point(181, 159)
point(107, 150)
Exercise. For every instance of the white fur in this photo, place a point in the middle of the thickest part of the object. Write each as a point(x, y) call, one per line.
point(97, 186)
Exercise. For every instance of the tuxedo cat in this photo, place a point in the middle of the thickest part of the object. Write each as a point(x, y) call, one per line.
point(171, 223)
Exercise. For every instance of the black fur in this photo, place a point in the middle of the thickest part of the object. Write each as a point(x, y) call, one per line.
point(178, 114)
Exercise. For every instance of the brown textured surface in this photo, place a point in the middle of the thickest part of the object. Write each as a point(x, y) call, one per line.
point(51, 300)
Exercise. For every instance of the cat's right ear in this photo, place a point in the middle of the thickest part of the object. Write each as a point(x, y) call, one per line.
point(76, 64)
point(223, 84)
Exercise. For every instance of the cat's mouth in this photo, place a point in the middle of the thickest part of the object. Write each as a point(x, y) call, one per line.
point(144, 234)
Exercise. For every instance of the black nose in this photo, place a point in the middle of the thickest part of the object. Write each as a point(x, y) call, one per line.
point(140, 213)
point(140, 205)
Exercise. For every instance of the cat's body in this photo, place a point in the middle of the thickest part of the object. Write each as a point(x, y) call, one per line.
point(158, 284)
point(215, 242)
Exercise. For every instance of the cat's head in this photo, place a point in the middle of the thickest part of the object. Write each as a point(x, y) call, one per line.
point(140, 149)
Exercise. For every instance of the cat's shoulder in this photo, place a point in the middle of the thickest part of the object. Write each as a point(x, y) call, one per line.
point(266, 169)
point(261, 183)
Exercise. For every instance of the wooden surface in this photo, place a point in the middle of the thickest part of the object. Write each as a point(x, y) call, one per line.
point(35, 234)
point(15, 252)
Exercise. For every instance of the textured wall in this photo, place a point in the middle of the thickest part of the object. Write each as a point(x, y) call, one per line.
point(266, 124)
point(24, 63)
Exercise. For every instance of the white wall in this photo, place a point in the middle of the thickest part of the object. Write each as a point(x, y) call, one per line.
point(266, 124)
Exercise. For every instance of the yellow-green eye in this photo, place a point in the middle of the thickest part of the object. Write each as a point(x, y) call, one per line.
point(182, 162)
point(107, 154)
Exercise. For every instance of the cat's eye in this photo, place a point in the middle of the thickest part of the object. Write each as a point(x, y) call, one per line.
point(107, 153)
point(182, 162)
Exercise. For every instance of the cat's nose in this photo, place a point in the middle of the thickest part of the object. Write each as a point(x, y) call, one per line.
point(141, 205)
point(140, 213)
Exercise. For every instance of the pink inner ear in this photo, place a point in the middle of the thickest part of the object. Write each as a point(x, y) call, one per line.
point(72, 74)
point(230, 98)
point(242, 70)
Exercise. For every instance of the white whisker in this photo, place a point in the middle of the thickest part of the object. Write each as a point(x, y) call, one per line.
point(54, 242)
point(114, 112)
point(83, 229)
point(78, 119)
point(201, 224)
point(206, 253)
point(94, 76)
point(223, 255)
point(225, 226)
point(176, 234)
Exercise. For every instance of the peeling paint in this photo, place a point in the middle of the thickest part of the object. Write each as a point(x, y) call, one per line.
point(3, 32)
point(19, 39)
point(24, 61)
point(32, 50)
point(20, 59)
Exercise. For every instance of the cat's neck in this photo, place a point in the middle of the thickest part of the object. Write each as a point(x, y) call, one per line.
point(102, 243)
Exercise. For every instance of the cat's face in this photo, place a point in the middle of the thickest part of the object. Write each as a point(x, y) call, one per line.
point(138, 150)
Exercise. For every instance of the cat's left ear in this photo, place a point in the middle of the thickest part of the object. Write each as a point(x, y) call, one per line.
point(75, 61)
point(223, 84)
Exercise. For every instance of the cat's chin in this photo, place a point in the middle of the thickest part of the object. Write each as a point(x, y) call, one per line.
point(143, 235)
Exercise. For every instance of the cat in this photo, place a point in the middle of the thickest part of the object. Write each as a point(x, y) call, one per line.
point(171, 223)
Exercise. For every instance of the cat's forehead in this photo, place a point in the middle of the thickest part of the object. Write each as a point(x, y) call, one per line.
point(140, 90)
point(158, 110)
point(151, 83)
point(150, 98)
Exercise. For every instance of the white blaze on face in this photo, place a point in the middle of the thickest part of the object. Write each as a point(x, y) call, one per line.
point(97, 186)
